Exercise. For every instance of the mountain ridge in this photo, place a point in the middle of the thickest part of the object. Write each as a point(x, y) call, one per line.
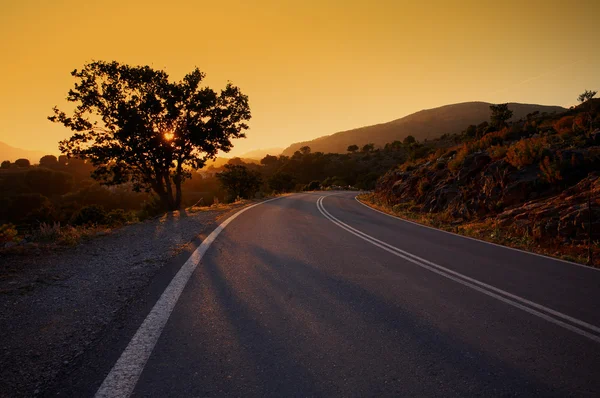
point(11, 153)
point(423, 124)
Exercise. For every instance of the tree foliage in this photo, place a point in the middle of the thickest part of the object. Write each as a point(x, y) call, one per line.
point(238, 181)
point(409, 140)
point(352, 148)
point(586, 96)
point(22, 163)
point(48, 161)
point(5, 164)
point(135, 125)
point(500, 114)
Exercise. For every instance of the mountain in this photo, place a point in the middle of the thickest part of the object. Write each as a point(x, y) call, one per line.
point(261, 153)
point(8, 152)
point(428, 123)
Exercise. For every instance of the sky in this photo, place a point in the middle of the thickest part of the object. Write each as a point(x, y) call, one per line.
point(310, 68)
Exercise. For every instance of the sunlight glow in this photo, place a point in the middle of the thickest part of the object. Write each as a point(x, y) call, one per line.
point(168, 136)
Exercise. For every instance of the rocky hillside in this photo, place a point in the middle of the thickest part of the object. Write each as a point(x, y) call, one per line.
point(531, 177)
point(425, 124)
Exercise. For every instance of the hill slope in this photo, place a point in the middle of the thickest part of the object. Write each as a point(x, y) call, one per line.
point(428, 123)
point(8, 152)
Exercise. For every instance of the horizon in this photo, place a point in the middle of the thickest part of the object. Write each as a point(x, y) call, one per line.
point(521, 58)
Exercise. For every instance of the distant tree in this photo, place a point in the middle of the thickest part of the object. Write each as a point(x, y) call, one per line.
point(500, 114)
point(48, 182)
point(236, 161)
point(48, 161)
point(409, 140)
point(305, 150)
point(5, 164)
point(282, 182)
point(135, 125)
point(22, 163)
point(368, 147)
point(586, 96)
point(237, 180)
point(63, 160)
point(471, 131)
point(352, 148)
point(268, 160)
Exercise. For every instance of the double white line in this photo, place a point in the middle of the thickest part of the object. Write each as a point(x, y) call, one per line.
point(575, 325)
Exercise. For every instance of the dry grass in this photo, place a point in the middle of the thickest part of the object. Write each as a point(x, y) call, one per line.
point(488, 230)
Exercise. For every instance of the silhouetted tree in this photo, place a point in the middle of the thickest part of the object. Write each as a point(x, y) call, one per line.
point(352, 148)
point(368, 147)
point(5, 164)
point(500, 114)
point(409, 140)
point(63, 160)
point(269, 160)
point(305, 150)
point(48, 161)
point(135, 125)
point(282, 182)
point(237, 180)
point(22, 163)
point(586, 96)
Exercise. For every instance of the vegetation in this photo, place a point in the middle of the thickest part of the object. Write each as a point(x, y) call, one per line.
point(532, 177)
point(135, 126)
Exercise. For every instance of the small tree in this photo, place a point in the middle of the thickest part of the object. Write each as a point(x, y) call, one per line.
point(135, 125)
point(352, 148)
point(500, 114)
point(22, 163)
point(5, 164)
point(48, 161)
point(368, 147)
point(305, 150)
point(282, 182)
point(238, 181)
point(409, 140)
point(586, 96)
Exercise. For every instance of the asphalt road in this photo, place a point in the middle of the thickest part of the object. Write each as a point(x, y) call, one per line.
point(303, 296)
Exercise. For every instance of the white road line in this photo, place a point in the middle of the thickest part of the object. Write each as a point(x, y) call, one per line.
point(124, 375)
point(478, 240)
point(484, 288)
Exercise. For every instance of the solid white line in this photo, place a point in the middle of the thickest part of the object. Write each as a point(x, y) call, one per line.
point(469, 282)
point(478, 240)
point(124, 375)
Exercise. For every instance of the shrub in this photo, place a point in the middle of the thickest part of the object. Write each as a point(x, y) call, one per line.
point(48, 232)
point(119, 217)
point(526, 151)
point(497, 152)
point(423, 186)
point(312, 186)
point(8, 233)
point(89, 215)
point(564, 125)
point(459, 158)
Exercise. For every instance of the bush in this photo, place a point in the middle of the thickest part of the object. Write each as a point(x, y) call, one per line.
point(8, 233)
point(48, 232)
point(497, 152)
point(119, 217)
point(526, 152)
point(312, 186)
point(89, 215)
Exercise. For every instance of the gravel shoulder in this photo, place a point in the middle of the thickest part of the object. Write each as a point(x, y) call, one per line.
point(59, 305)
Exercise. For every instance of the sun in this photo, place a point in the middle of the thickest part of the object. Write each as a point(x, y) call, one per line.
point(168, 136)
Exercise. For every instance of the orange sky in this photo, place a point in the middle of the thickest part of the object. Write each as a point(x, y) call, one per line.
point(309, 67)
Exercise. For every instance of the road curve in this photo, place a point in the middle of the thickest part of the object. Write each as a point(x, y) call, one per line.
point(317, 295)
